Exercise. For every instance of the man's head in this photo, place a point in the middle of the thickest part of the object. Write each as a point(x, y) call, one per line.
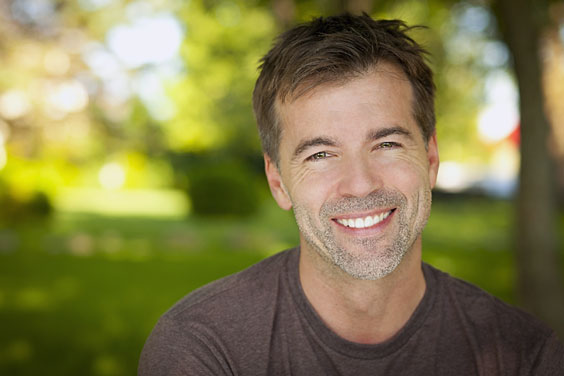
point(350, 145)
point(336, 50)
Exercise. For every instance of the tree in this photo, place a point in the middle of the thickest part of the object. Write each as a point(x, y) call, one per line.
point(540, 283)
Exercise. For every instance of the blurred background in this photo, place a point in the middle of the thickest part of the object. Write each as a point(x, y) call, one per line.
point(131, 170)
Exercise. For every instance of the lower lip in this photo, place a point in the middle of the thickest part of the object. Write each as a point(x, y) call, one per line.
point(366, 230)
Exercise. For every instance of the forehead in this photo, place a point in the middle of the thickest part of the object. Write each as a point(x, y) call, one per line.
point(379, 97)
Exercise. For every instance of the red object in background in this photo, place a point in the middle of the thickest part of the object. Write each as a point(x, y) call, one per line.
point(515, 136)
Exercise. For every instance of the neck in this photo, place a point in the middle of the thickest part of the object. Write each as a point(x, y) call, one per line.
point(363, 311)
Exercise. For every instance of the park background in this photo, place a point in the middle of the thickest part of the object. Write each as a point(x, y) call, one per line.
point(131, 171)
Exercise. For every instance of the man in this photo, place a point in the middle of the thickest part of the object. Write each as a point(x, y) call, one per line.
point(345, 110)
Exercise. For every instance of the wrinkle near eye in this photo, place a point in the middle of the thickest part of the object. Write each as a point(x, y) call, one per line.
point(300, 174)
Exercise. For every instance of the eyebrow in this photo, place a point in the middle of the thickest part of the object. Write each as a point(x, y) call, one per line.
point(372, 136)
point(308, 143)
point(385, 132)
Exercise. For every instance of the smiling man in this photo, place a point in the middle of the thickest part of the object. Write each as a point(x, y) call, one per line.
point(358, 172)
point(345, 110)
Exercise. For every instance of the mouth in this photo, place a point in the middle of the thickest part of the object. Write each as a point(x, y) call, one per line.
point(364, 221)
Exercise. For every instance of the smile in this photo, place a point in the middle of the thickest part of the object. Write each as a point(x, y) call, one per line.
point(365, 222)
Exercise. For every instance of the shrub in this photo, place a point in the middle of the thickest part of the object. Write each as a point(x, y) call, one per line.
point(16, 210)
point(223, 188)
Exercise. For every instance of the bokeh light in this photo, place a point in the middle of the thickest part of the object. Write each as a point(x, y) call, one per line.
point(14, 104)
point(500, 117)
point(112, 176)
point(65, 97)
point(150, 40)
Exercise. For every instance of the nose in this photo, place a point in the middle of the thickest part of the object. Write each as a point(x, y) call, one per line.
point(358, 178)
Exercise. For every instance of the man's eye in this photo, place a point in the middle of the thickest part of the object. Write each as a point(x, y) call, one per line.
point(318, 156)
point(388, 145)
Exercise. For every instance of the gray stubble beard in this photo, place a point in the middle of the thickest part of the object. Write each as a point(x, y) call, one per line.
point(371, 264)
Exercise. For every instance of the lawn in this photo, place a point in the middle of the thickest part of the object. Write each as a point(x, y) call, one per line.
point(80, 293)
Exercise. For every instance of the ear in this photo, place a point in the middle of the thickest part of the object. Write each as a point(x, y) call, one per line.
point(277, 187)
point(433, 158)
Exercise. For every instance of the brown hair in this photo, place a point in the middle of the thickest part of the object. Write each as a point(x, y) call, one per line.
point(337, 49)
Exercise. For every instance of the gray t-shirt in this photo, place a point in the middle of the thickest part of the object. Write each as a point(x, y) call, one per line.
point(259, 322)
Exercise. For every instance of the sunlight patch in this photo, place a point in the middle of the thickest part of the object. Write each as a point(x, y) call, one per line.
point(161, 203)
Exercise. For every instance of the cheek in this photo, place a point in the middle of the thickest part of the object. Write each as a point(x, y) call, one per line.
point(311, 189)
point(400, 166)
point(406, 176)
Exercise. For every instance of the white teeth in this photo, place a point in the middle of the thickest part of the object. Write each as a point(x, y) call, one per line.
point(366, 222)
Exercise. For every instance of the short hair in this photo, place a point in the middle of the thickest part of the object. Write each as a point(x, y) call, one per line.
point(335, 50)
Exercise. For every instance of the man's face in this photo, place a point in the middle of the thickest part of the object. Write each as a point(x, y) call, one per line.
point(355, 168)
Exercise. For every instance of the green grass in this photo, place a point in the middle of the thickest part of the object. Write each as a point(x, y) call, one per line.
point(471, 239)
point(80, 294)
point(68, 315)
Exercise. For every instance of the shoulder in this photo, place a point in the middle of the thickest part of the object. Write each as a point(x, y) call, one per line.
point(491, 324)
point(235, 290)
point(206, 328)
point(482, 308)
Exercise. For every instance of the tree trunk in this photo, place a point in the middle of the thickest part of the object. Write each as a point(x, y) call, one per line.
point(540, 285)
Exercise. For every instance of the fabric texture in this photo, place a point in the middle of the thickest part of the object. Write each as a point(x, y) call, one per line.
point(259, 322)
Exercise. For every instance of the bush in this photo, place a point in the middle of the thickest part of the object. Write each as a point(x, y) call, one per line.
point(223, 188)
point(16, 210)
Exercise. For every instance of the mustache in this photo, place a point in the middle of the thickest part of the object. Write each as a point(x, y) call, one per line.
point(374, 200)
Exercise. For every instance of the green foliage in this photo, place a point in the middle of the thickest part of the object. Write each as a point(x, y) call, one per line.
point(223, 188)
point(211, 90)
point(16, 210)
point(221, 51)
